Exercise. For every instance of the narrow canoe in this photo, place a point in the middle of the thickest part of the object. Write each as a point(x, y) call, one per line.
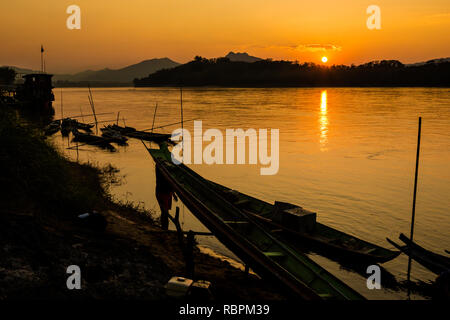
point(114, 136)
point(52, 128)
point(142, 135)
point(92, 140)
point(68, 124)
point(268, 256)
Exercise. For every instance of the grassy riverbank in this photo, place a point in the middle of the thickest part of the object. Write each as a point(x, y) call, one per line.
point(40, 237)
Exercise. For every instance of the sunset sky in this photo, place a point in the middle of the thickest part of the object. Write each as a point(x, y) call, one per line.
point(118, 33)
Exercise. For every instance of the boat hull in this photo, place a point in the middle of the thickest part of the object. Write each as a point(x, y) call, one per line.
point(249, 241)
point(324, 240)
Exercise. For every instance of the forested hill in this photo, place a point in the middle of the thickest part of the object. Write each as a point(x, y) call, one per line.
point(268, 73)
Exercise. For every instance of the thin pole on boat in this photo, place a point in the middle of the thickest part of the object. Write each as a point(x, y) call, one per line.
point(154, 116)
point(42, 58)
point(91, 100)
point(168, 125)
point(90, 103)
point(182, 134)
point(117, 121)
point(182, 130)
point(414, 197)
point(82, 115)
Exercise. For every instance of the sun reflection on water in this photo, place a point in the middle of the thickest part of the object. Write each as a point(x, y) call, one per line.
point(323, 121)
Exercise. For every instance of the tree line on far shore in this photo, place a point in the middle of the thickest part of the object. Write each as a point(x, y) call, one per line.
point(269, 73)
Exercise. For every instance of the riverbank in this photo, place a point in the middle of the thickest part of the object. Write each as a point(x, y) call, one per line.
point(40, 236)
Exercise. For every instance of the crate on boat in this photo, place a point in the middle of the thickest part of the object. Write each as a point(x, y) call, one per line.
point(294, 217)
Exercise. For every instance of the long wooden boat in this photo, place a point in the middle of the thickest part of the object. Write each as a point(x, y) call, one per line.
point(92, 140)
point(432, 261)
point(68, 124)
point(142, 135)
point(114, 136)
point(52, 128)
point(319, 237)
point(250, 241)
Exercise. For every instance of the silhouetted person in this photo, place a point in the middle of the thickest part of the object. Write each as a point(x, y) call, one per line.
point(164, 195)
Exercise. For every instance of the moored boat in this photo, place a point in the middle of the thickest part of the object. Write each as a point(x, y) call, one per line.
point(250, 241)
point(92, 140)
point(67, 124)
point(114, 136)
point(52, 128)
point(298, 225)
point(142, 135)
point(84, 126)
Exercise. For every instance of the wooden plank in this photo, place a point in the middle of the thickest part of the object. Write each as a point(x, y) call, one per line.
point(235, 222)
point(274, 254)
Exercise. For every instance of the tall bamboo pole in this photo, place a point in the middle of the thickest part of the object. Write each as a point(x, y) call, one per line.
point(154, 116)
point(182, 130)
point(414, 196)
point(91, 100)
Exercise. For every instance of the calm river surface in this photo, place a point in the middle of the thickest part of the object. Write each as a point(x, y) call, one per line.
point(346, 153)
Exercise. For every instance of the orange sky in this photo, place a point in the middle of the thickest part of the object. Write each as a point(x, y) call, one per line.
point(118, 33)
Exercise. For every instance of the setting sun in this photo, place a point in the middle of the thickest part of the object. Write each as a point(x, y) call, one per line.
point(324, 59)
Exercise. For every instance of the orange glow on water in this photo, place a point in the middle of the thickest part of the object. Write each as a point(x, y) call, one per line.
point(323, 121)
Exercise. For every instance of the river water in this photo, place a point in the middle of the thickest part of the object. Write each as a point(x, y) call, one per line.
point(346, 153)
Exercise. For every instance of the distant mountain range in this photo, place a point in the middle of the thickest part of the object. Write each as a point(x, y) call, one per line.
point(129, 73)
point(123, 75)
point(241, 56)
point(126, 75)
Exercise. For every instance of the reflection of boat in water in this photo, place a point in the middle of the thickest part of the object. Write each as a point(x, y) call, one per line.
point(250, 241)
point(432, 261)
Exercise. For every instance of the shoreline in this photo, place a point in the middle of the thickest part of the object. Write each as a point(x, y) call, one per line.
point(132, 259)
point(93, 85)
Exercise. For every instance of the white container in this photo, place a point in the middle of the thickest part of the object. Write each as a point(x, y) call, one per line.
point(178, 287)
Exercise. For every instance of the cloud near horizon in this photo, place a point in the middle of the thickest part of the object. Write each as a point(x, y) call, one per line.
point(313, 47)
point(318, 47)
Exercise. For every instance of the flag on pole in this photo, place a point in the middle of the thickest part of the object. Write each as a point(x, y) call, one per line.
point(42, 58)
